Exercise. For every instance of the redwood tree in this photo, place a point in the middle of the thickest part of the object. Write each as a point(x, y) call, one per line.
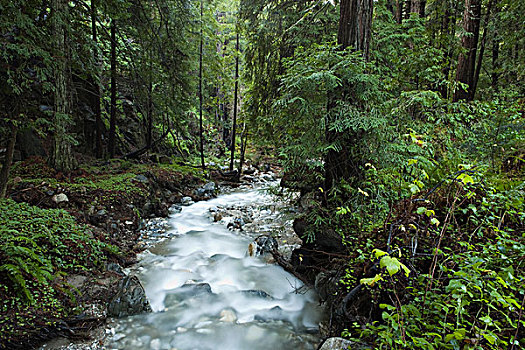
point(354, 30)
point(469, 42)
point(61, 156)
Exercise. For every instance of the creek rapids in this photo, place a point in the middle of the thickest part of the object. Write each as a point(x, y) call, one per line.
point(206, 292)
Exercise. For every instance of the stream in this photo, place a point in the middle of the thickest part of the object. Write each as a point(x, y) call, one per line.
point(206, 292)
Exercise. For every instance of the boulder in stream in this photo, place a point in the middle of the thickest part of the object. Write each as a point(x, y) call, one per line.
point(130, 299)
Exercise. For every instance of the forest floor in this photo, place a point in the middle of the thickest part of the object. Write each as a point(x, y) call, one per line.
point(82, 229)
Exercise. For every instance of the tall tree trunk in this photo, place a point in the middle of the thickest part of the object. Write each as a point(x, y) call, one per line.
point(418, 7)
point(96, 83)
point(495, 61)
point(149, 114)
point(235, 98)
point(6, 167)
point(61, 155)
point(244, 142)
point(469, 43)
point(399, 11)
point(201, 131)
point(113, 113)
point(355, 24)
point(481, 51)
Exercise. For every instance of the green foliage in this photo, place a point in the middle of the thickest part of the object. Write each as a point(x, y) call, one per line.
point(39, 243)
point(473, 292)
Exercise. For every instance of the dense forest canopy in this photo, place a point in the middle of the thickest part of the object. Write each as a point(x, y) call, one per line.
point(400, 122)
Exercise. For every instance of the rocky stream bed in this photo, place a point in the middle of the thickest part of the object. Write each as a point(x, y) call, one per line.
point(207, 276)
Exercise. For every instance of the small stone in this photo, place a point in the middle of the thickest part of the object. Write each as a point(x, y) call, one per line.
point(336, 343)
point(59, 198)
point(155, 344)
point(228, 316)
point(187, 201)
point(141, 178)
point(217, 217)
point(175, 209)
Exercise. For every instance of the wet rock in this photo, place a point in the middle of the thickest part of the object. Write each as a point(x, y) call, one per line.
point(186, 201)
point(217, 217)
point(262, 245)
point(339, 344)
point(275, 313)
point(268, 177)
point(174, 209)
point(60, 198)
point(210, 187)
point(257, 294)
point(228, 315)
point(115, 268)
point(206, 191)
point(236, 224)
point(130, 299)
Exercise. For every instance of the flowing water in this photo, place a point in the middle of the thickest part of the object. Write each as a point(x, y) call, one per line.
point(207, 293)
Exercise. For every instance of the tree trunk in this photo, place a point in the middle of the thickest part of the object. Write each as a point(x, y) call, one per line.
point(244, 141)
point(4, 173)
point(96, 85)
point(113, 113)
point(481, 51)
point(418, 7)
point(61, 155)
point(469, 43)
point(149, 114)
point(495, 62)
point(399, 11)
point(201, 132)
point(355, 24)
point(235, 94)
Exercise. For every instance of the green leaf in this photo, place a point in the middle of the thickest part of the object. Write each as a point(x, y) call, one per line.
point(379, 253)
point(421, 210)
point(371, 281)
point(392, 264)
point(413, 188)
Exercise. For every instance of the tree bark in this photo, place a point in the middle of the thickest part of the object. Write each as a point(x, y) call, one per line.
point(96, 85)
point(418, 7)
point(201, 131)
point(113, 112)
point(235, 97)
point(244, 142)
point(355, 23)
point(61, 155)
point(469, 43)
point(495, 62)
point(6, 167)
point(481, 51)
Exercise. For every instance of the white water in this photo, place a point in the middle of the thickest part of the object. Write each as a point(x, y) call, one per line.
point(252, 305)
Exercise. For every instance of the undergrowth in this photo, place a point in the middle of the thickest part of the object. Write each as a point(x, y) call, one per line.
point(39, 246)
